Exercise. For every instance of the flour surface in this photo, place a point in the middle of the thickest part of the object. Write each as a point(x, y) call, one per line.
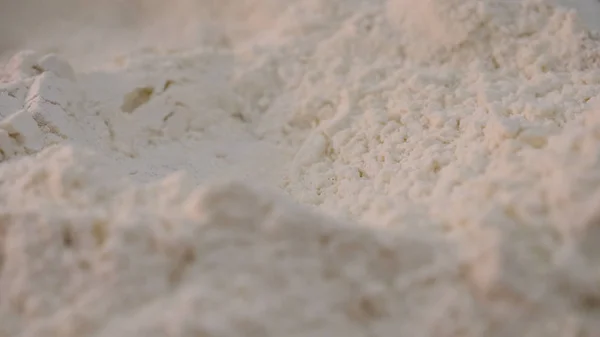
point(302, 168)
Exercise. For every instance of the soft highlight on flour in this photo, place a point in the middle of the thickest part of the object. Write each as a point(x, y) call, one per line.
point(304, 168)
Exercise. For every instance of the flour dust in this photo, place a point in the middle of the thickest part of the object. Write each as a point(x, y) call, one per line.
point(302, 168)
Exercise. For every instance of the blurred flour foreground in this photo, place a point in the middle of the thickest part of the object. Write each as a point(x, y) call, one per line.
point(453, 144)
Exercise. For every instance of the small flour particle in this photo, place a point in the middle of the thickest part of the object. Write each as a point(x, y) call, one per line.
point(57, 65)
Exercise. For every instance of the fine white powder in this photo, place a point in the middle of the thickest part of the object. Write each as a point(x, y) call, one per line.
point(309, 168)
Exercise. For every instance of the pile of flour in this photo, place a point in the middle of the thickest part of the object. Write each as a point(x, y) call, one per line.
point(308, 168)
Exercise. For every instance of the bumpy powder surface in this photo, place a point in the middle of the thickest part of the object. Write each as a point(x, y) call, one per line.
point(304, 168)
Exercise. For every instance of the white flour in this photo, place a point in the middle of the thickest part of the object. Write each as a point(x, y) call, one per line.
point(453, 144)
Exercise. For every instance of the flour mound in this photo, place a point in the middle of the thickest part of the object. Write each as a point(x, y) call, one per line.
point(87, 256)
point(217, 259)
point(444, 153)
point(505, 31)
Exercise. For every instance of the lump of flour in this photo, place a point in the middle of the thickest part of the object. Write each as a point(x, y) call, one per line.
point(35, 106)
point(92, 257)
point(445, 155)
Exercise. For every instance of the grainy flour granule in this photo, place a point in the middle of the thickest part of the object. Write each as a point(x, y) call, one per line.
point(441, 161)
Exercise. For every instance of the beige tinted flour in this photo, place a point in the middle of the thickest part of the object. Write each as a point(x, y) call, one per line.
point(305, 168)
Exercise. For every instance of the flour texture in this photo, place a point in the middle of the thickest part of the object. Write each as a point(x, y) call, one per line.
point(306, 168)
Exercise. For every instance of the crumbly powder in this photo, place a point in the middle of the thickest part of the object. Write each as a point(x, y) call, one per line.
point(445, 153)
